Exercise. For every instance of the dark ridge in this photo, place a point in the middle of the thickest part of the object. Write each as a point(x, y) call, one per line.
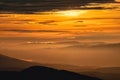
point(43, 73)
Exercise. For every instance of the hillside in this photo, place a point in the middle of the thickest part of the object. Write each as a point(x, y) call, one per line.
point(8, 63)
point(8, 66)
point(107, 73)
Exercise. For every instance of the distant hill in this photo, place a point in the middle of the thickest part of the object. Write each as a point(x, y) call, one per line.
point(115, 46)
point(8, 67)
point(107, 73)
point(110, 46)
point(73, 68)
point(109, 70)
point(43, 73)
point(8, 63)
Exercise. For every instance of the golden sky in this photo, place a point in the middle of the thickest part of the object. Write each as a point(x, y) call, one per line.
point(87, 36)
point(66, 23)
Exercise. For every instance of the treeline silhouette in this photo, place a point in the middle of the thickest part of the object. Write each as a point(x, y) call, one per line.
point(43, 73)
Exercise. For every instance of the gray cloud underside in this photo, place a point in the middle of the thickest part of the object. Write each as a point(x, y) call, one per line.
point(31, 6)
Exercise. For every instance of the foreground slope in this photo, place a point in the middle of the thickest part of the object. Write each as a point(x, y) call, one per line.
point(43, 73)
point(9, 63)
point(8, 72)
point(107, 73)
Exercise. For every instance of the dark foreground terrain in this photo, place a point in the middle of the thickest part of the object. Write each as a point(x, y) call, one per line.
point(43, 73)
point(15, 69)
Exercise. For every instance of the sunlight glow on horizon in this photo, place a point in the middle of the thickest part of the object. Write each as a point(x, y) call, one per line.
point(117, 0)
point(71, 13)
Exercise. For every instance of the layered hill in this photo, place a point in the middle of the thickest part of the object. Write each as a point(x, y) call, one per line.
point(9, 63)
point(35, 72)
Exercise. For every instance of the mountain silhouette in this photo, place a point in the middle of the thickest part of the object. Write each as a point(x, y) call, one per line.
point(43, 73)
point(11, 64)
point(15, 69)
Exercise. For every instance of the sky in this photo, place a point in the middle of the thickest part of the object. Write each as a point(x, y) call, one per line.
point(82, 33)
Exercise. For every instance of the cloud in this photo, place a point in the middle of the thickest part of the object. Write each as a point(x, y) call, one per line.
point(32, 6)
point(54, 42)
point(32, 31)
point(95, 45)
point(30, 21)
point(96, 36)
point(30, 39)
point(48, 22)
point(96, 8)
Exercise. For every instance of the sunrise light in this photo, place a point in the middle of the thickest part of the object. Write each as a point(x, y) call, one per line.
point(71, 13)
point(117, 0)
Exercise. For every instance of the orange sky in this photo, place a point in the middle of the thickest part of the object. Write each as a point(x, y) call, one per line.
point(64, 33)
point(81, 21)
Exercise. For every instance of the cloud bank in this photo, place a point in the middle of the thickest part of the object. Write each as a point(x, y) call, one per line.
point(31, 31)
point(31, 6)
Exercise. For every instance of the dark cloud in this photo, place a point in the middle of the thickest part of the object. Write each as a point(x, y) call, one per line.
point(32, 31)
point(68, 42)
point(68, 1)
point(80, 19)
point(48, 22)
point(31, 6)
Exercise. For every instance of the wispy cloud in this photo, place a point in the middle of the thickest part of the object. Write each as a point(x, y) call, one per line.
point(32, 31)
point(48, 22)
point(95, 45)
